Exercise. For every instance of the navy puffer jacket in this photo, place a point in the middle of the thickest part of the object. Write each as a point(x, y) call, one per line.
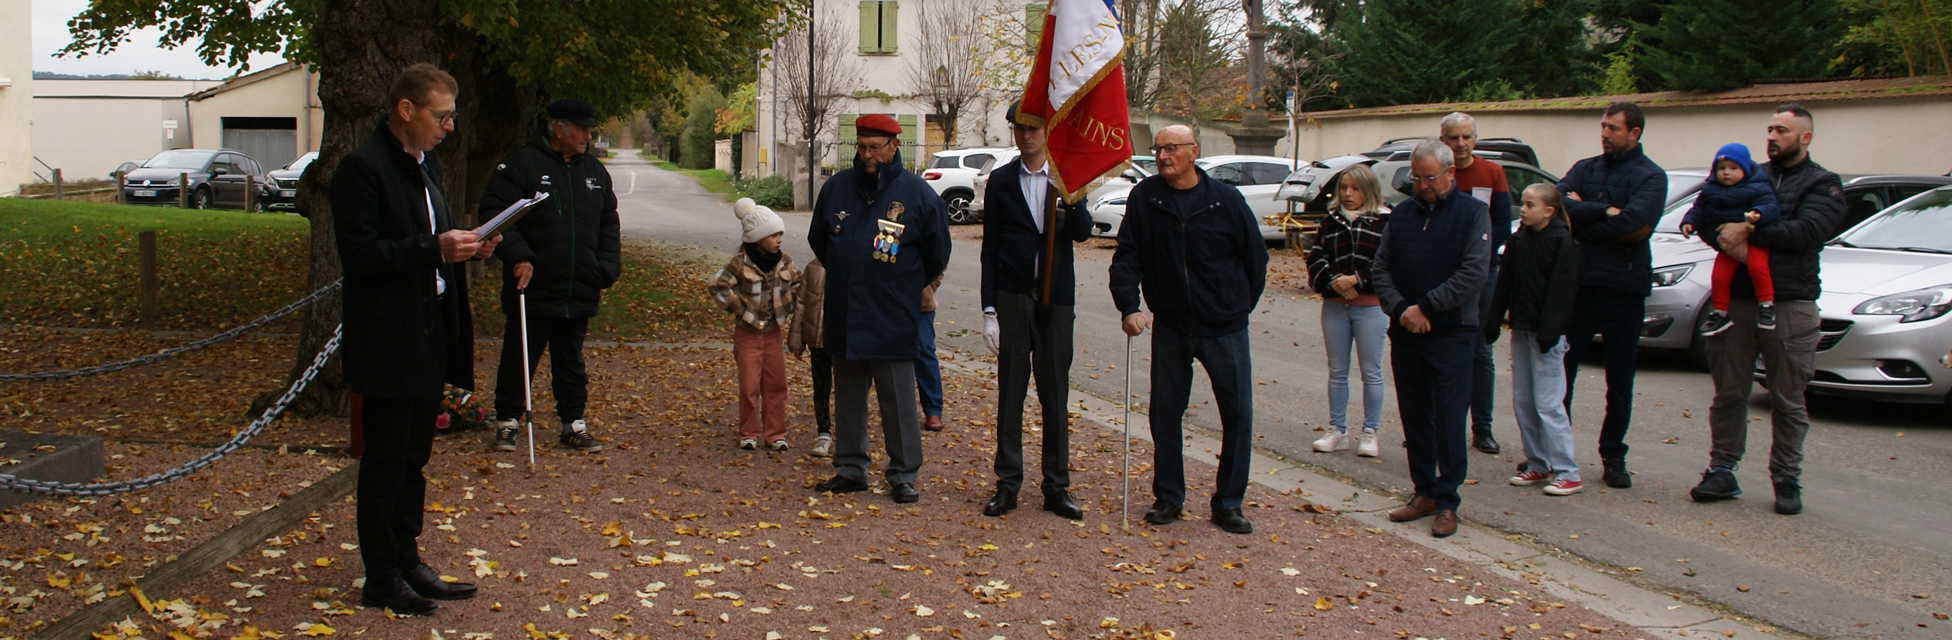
point(1613, 250)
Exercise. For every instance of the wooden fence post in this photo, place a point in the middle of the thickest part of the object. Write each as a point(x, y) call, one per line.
point(250, 193)
point(183, 190)
point(121, 188)
point(58, 190)
point(147, 243)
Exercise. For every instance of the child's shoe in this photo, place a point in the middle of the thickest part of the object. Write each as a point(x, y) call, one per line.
point(1765, 316)
point(1717, 322)
point(1366, 447)
point(779, 445)
point(1563, 487)
point(748, 444)
point(1334, 441)
point(1529, 477)
point(823, 446)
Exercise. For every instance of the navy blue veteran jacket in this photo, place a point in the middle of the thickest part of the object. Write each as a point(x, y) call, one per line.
point(1013, 243)
point(873, 306)
point(401, 339)
point(1202, 270)
point(1437, 257)
point(573, 239)
point(1613, 250)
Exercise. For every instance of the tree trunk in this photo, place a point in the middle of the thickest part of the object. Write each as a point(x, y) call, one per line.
point(362, 45)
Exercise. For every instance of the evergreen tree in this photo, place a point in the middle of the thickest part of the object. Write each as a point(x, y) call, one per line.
point(1715, 45)
point(1418, 51)
point(1551, 55)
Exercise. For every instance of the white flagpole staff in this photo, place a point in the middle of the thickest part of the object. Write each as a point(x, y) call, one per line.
point(528, 391)
point(1125, 468)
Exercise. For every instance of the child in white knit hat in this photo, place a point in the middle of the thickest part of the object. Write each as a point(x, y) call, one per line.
point(759, 286)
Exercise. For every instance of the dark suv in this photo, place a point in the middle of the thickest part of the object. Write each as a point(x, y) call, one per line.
point(217, 179)
point(1493, 148)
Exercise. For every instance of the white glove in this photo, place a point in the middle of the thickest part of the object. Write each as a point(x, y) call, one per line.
point(992, 332)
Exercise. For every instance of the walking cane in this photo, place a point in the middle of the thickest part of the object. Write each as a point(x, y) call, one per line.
point(528, 391)
point(1125, 468)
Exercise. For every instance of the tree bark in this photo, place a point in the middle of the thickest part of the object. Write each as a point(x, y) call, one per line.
point(362, 44)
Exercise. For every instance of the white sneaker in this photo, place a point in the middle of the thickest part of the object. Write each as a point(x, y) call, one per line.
point(779, 445)
point(1367, 446)
point(1332, 442)
point(748, 444)
point(823, 446)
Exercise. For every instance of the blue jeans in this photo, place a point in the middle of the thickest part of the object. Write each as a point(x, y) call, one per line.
point(1433, 397)
point(1538, 389)
point(1484, 368)
point(928, 370)
point(1361, 327)
point(1228, 364)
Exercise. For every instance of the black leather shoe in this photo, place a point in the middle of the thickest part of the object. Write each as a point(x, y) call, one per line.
point(393, 593)
point(1162, 513)
point(1061, 504)
point(1483, 441)
point(1616, 475)
point(1003, 502)
point(904, 493)
point(839, 484)
point(1230, 521)
point(429, 585)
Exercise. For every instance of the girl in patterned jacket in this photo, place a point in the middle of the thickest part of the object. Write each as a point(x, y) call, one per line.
point(759, 286)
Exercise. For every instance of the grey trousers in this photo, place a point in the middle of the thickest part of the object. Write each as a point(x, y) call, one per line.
point(1789, 357)
point(1028, 349)
point(901, 430)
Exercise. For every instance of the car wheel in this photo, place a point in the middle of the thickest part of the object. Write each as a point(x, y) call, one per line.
point(959, 206)
point(200, 199)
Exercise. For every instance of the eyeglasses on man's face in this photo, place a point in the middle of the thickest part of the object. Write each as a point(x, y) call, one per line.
point(1431, 179)
point(1169, 149)
point(875, 147)
point(440, 117)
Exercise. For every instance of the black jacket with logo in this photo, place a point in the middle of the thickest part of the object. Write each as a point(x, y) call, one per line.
point(1201, 271)
point(573, 238)
point(1810, 201)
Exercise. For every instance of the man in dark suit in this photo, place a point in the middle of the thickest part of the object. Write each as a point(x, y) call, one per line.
point(1026, 326)
point(406, 326)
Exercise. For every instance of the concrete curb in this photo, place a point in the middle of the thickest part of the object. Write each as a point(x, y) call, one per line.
point(1660, 614)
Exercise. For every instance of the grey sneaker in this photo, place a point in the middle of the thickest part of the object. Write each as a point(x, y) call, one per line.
point(505, 432)
point(578, 437)
point(1715, 322)
point(1717, 483)
point(1765, 316)
point(823, 446)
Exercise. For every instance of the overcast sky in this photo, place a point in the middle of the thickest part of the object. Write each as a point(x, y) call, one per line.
point(138, 53)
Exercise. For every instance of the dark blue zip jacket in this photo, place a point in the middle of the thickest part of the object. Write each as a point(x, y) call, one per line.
point(573, 240)
point(872, 307)
point(1613, 250)
point(1202, 271)
point(1435, 257)
point(1718, 204)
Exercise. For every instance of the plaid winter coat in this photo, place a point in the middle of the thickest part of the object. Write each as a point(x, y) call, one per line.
point(1344, 248)
point(758, 301)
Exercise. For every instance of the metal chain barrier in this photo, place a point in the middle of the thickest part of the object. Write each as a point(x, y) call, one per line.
point(172, 352)
point(46, 487)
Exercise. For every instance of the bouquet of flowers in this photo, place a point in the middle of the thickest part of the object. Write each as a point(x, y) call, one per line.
point(460, 411)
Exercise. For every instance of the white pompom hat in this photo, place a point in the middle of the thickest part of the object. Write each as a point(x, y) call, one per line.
point(757, 221)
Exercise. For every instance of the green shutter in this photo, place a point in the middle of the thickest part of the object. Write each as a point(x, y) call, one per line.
point(870, 26)
point(888, 23)
point(911, 138)
point(844, 139)
point(1033, 21)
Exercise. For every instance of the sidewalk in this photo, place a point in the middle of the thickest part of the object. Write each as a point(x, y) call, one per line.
point(674, 527)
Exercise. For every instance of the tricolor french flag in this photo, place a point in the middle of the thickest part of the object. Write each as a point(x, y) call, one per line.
point(1077, 93)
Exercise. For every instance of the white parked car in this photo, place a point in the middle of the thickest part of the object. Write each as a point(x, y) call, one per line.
point(952, 174)
point(1257, 177)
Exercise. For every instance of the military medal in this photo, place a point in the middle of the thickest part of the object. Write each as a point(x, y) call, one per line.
point(894, 211)
point(887, 240)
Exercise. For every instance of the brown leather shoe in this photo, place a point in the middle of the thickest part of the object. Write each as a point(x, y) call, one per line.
point(1444, 525)
point(1418, 507)
point(932, 423)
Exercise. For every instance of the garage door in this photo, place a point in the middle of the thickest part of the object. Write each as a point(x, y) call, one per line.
point(272, 141)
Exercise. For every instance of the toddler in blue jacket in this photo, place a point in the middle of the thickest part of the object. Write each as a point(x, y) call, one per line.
point(1735, 193)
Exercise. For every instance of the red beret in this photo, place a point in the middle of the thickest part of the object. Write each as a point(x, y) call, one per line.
point(875, 124)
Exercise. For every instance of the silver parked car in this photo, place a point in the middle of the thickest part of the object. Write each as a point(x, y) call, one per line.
point(1887, 285)
point(1257, 178)
point(1683, 266)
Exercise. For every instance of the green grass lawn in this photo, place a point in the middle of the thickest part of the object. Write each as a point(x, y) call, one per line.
point(72, 264)
point(712, 180)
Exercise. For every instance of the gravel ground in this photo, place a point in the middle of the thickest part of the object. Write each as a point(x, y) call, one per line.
point(673, 532)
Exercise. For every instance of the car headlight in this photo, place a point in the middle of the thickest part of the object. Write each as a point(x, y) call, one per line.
point(1914, 306)
point(1670, 276)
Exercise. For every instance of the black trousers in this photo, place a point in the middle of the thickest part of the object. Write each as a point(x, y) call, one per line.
point(1029, 348)
point(399, 439)
point(1433, 397)
point(1229, 365)
point(1617, 319)
point(564, 339)
point(823, 389)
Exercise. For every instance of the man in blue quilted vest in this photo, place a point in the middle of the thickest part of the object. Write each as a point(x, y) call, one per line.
point(1432, 262)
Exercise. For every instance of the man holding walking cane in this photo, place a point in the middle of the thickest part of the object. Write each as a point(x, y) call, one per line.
point(1029, 300)
point(1194, 247)
point(556, 262)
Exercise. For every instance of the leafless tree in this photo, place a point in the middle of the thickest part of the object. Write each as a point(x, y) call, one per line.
point(836, 73)
point(947, 60)
point(1141, 29)
point(1198, 44)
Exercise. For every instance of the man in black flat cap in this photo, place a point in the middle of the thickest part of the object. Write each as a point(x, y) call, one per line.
point(564, 253)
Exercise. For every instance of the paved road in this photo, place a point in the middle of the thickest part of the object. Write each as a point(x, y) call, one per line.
point(1873, 536)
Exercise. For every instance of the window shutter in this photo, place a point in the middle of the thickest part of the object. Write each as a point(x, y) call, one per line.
point(911, 137)
point(870, 26)
point(1033, 22)
point(888, 23)
point(844, 139)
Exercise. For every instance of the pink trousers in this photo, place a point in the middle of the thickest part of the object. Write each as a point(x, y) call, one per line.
point(762, 384)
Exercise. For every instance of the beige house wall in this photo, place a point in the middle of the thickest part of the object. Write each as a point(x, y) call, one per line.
point(88, 127)
point(1885, 135)
point(283, 92)
point(17, 96)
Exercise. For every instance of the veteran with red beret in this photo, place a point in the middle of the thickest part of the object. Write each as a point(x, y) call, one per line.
point(883, 236)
